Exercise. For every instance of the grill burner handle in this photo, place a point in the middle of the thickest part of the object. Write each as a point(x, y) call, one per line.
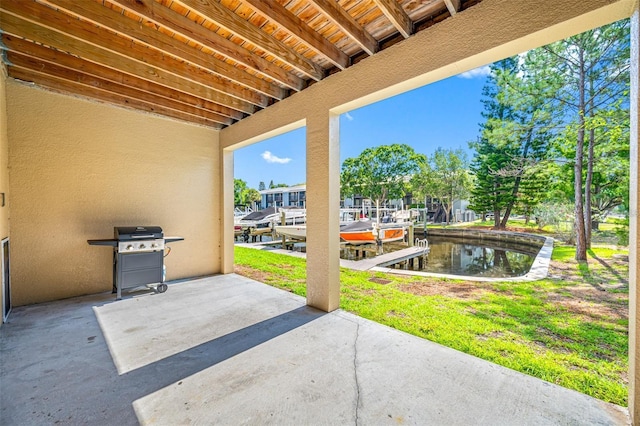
point(143, 236)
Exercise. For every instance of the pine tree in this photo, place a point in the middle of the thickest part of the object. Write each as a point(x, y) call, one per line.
point(492, 192)
point(594, 69)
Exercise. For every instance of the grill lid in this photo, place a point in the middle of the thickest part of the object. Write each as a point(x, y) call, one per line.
point(129, 233)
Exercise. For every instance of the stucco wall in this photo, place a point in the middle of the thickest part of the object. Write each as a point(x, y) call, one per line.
point(4, 156)
point(4, 169)
point(79, 168)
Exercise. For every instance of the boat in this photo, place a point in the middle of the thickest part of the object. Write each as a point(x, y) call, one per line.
point(369, 232)
point(358, 232)
point(295, 232)
point(299, 232)
point(263, 221)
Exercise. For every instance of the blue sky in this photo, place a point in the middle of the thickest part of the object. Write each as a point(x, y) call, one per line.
point(443, 114)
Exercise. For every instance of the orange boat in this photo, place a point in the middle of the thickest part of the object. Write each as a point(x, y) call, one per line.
point(391, 234)
point(367, 232)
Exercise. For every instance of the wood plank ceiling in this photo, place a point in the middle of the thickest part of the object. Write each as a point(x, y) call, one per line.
point(208, 62)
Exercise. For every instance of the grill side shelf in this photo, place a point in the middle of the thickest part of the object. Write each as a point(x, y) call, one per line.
point(173, 239)
point(105, 242)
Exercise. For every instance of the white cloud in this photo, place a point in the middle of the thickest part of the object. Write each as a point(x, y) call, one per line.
point(476, 73)
point(270, 158)
point(349, 117)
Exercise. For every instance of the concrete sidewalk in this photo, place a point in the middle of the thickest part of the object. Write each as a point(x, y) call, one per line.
point(229, 350)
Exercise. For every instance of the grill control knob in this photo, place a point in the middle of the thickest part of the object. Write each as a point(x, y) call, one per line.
point(129, 247)
point(142, 246)
point(154, 245)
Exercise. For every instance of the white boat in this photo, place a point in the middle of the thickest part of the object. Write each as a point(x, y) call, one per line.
point(299, 232)
point(263, 221)
point(295, 232)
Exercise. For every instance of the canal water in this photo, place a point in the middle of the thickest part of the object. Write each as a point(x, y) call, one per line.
point(450, 255)
point(475, 258)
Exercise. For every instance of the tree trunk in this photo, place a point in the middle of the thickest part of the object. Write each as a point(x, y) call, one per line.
point(589, 178)
point(587, 190)
point(581, 243)
point(516, 185)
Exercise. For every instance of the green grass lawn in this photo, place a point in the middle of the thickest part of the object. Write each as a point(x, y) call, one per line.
point(569, 329)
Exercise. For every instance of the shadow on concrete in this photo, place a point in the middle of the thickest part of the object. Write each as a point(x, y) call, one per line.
point(200, 357)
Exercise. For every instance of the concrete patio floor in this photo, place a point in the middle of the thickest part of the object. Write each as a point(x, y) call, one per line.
point(229, 350)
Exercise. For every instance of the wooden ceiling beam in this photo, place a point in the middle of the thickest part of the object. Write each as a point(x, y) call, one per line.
point(108, 18)
point(41, 15)
point(19, 27)
point(190, 30)
point(454, 6)
point(223, 17)
point(53, 70)
point(15, 44)
point(332, 10)
point(67, 87)
point(298, 28)
point(396, 14)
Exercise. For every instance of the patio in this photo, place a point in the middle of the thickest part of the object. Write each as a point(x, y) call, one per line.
point(229, 350)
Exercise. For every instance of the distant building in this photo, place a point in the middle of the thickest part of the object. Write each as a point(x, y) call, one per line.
point(296, 196)
point(292, 196)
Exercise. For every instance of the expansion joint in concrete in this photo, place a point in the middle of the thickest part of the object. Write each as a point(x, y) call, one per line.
point(355, 371)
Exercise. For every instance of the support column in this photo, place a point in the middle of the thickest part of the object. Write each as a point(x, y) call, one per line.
point(634, 229)
point(323, 211)
point(226, 212)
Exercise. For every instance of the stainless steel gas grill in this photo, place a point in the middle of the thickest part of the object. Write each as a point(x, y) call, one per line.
point(138, 257)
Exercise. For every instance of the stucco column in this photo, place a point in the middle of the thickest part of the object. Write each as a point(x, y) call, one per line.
point(323, 211)
point(634, 229)
point(226, 213)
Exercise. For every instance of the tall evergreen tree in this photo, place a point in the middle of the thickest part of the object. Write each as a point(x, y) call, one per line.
point(513, 139)
point(593, 67)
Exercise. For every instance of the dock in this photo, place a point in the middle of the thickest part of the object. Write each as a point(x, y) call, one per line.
point(383, 260)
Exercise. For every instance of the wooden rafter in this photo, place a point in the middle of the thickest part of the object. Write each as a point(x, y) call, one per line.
point(223, 17)
point(347, 24)
point(21, 28)
point(110, 19)
point(453, 6)
point(190, 30)
point(65, 86)
point(295, 26)
point(210, 62)
point(38, 65)
point(396, 14)
point(84, 31)
point(33, 50)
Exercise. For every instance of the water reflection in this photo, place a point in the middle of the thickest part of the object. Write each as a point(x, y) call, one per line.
point(475, 258)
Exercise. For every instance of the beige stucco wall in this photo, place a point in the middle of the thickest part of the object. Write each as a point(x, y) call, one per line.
point(4, 156)
point(4, 169)
point(634, 230)
point(79, 168)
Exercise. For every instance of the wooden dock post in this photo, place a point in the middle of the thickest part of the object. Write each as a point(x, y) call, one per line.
point(283, 221)
point(410, 236)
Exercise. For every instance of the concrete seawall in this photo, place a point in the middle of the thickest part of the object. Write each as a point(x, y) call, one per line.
point(539, 269)
point(533, 240)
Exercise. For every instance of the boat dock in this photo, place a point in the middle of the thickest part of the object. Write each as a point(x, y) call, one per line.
point(386, 259)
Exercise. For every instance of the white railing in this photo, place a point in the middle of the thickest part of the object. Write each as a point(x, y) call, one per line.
point(422, 244)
